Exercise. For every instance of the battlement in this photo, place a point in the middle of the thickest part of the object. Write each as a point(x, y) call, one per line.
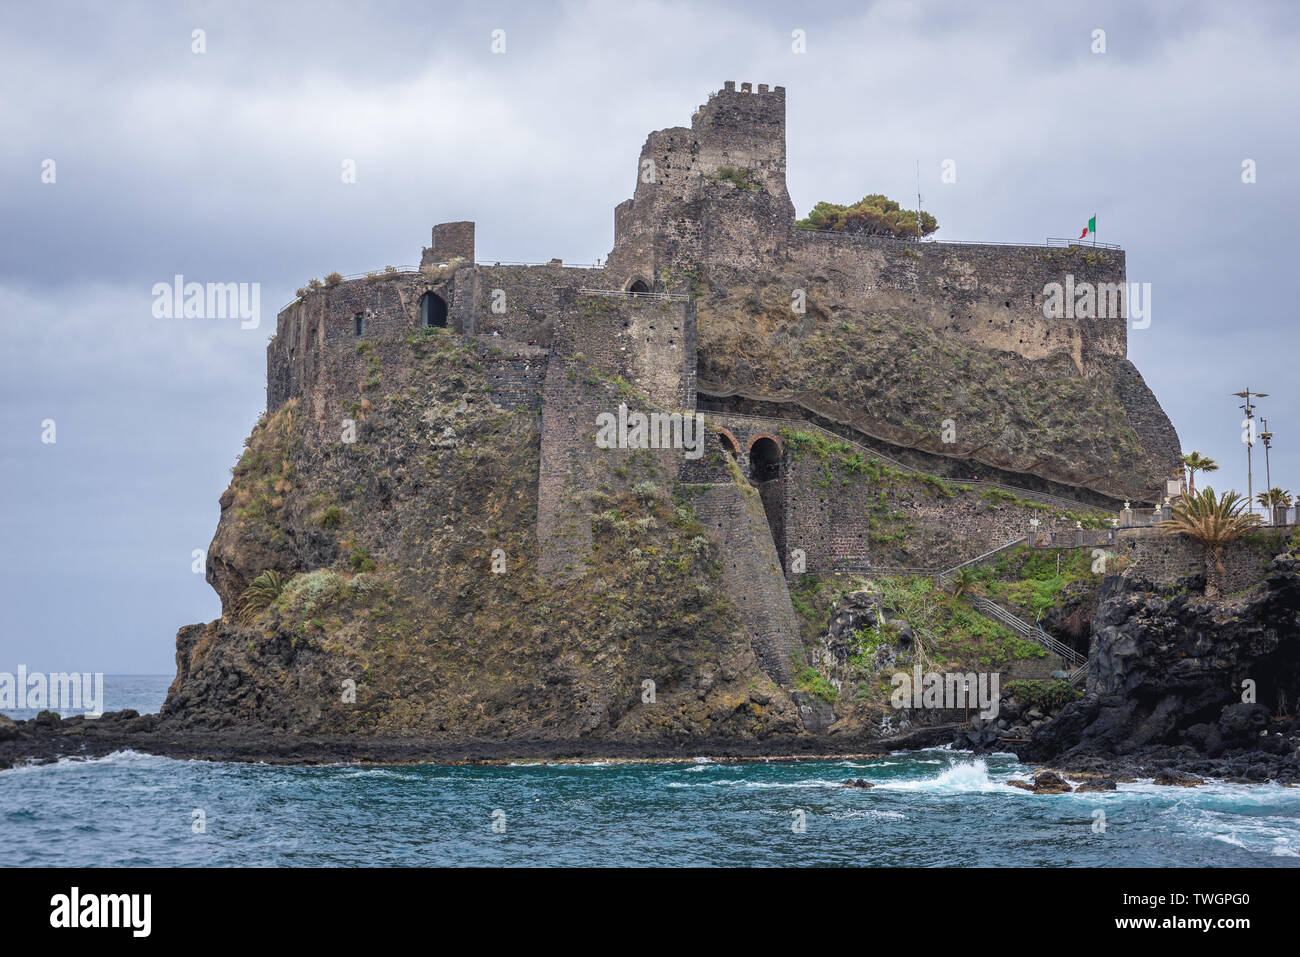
point(756, 112)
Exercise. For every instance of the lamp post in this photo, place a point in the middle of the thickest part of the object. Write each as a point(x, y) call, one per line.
point(1249, 439)
point(1267, 437)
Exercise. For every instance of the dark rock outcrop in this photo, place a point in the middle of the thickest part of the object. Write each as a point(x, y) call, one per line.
point(1168, 671)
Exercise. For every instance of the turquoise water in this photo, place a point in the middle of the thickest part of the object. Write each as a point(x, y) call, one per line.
point(929, 808)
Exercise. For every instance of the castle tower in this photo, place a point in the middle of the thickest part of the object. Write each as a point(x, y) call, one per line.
point(711, 194)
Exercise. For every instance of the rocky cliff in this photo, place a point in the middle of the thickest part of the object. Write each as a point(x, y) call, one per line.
point(409, 560)
point(1176, 680)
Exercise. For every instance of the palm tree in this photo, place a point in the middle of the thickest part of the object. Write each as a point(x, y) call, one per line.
point(965, 581)
point(257, 597)
point(1212, 523)
point(1274, 498)
point(1196, 462)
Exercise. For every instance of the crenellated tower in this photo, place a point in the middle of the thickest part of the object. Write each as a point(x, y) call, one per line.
point(710, 194)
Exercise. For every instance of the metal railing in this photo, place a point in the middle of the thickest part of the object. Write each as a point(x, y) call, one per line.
point(1080, 242)
point(559, 265)
point(993, 610)
point(626, 294)
point(868, 238)
point(948, 573)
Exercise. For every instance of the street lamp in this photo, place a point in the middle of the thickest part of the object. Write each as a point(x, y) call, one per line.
point(1267, 438)
point(1249, 439)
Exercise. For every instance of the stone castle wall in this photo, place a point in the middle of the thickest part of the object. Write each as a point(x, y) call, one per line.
point(990, 295)
point(599, 346)
point(1171, 559)
point(314, 353)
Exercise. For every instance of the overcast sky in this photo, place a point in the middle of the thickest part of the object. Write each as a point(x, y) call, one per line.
point(225, 166)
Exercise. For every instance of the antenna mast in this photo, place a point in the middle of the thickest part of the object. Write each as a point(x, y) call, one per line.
point(919, 227)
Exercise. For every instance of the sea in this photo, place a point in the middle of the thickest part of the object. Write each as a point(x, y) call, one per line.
point(933, 808)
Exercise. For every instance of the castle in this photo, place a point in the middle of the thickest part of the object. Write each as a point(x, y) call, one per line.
point(694, 311)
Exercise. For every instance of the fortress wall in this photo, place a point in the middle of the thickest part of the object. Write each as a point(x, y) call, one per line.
point(751, 575)
point(830, 523)
point(744, 232)
point(314, 351)
point(991, 295)
point(531, 297)
point(601, 344)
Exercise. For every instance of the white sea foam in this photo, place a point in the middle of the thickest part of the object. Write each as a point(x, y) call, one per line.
point(962, 777)
point(760, 785)
point(124, 758)
point(869, 814)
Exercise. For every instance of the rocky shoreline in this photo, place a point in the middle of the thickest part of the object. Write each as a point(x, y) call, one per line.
point(48, 738)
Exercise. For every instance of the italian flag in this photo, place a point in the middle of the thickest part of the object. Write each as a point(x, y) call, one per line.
point(1090, 228)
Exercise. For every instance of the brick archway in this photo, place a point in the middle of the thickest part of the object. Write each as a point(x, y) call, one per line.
point(764, 435)
point(729, 442)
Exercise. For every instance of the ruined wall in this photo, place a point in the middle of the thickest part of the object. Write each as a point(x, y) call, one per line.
point(314, 353)
point(450, 241)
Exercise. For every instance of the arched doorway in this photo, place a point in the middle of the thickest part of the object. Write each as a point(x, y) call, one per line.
point(764, 460)
point(433, 311)
point(639, 288)
point(765, 456)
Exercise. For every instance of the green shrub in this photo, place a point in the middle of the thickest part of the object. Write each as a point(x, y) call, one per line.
point(1044, 695)
point(360, 559)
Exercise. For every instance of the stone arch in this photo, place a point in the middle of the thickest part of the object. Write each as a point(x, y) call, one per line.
point(729, 443)
point(638, 286)
point(765, 455)
point(433, 311)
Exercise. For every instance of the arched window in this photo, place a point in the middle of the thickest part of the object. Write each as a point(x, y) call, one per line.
point(764, 460)
point(639, 287)
point(433, 311)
